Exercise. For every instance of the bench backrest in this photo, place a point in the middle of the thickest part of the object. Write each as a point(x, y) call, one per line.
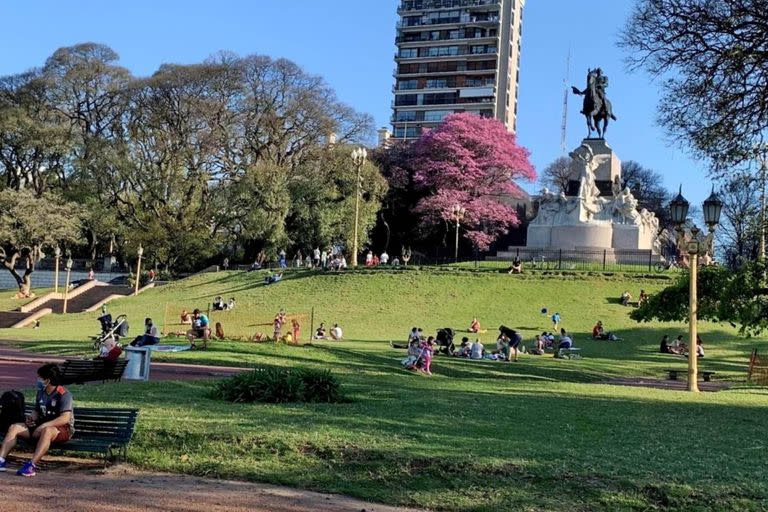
point(115, 425)
point(79, 370)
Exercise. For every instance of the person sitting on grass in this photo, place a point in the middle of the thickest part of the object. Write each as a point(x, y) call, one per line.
point(52, 421)
point(548, 338)
point(231, 304)
point(409, 363)
point(625, 298)
point(477, 350)
point(474, 326)
point(218, 304)
point(200, 329)
point(665, 347)
point(538, 346)
point(151, 335)
point(320, 332)
point(185, 317)
point(598, 333)
point(336, 333)
point(502, 346)
point(565, 341)
point(517, 266)
point(679, 346)
point(464, 349)
point(642, 299)
point(274, 278)
point(699, 347)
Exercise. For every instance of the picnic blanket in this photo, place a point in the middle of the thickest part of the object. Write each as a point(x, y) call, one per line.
point(168, 348)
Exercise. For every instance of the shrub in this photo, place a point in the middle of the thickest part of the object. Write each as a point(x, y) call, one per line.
point(280, 385)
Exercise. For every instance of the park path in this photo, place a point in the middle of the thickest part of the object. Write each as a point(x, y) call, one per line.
point(18, 367)
point(125, 489)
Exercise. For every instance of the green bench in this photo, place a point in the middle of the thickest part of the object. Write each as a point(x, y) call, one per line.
point(99, 430)
point(80, 371)
point(673, 373)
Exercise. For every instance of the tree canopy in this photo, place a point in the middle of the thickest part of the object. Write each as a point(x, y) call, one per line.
point(473, 162)
point(712, 58)
point(227, 154)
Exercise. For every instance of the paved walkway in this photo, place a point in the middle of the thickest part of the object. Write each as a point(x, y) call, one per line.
point(125, 489)
point(17, 369)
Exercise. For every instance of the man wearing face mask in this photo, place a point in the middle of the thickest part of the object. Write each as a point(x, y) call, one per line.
point(52, 421)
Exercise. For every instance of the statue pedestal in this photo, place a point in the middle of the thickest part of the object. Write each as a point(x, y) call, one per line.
point(594, 212)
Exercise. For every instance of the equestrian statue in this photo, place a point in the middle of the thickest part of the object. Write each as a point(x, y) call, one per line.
point(596, 106)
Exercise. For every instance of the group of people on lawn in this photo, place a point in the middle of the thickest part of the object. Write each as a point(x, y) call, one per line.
point(678, 347)
point(626, 298)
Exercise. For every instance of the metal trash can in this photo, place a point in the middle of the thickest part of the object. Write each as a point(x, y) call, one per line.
point(138, 363)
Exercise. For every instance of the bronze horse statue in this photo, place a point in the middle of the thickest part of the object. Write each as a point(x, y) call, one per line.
point(596, 105)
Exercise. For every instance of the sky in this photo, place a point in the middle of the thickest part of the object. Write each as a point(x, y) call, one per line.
point(351, 44)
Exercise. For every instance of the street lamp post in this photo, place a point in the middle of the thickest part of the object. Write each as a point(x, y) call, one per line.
point(57, 253)
point(68, 266)
point(678, 209)
point(139, 252)
point(457, 212)
point(358, 157)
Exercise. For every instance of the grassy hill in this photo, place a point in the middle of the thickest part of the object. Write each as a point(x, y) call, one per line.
point(541, 434)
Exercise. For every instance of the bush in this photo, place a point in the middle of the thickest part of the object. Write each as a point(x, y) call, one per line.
point(280, 385)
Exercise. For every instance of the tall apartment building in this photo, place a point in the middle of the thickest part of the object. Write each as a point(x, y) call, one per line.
point(456, 56)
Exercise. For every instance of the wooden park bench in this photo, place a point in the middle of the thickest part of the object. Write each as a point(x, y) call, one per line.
point(568, 353)
point(104, 431)
point(79, 371)
point(673, 373)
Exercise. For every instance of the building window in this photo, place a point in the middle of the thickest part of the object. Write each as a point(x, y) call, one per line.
point(436, 116)
point(409, 53)
point(404, 85)
point(407, 115)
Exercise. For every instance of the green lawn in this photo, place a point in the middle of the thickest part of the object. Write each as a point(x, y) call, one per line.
point(541, 434)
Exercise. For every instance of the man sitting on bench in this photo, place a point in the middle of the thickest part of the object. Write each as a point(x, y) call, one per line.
point(52, 421)
point(200, 329)
point(151, 335)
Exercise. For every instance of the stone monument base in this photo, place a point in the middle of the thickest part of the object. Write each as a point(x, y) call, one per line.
point(602, 236)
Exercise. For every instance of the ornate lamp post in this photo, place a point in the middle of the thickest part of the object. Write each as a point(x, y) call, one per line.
point(457, 212)
point(678, 209)
point(57, 253)
point(139, 252)
point(68, 266)
point(358, 158)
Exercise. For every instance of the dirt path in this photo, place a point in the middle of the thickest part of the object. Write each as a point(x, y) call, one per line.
point(125, 489)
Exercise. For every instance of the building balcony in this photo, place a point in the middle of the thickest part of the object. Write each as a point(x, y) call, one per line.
point(463, 54)
point(437, 5)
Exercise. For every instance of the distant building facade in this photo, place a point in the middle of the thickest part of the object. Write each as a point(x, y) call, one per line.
point(456, 56)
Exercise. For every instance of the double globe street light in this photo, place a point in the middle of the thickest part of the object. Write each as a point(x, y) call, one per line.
point(678, 209)
point(457, 213)
point(358, 158)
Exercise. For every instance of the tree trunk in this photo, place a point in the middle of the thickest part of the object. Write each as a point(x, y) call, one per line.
point(24, 282)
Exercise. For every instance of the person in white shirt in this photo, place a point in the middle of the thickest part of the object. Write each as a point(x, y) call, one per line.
point(384, 258)
point(342, 263)
point(324, 259)
point(316, 257)
point(476, 352)
point(336, 333)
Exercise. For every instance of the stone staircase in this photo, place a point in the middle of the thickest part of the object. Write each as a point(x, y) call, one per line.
point(87, 297)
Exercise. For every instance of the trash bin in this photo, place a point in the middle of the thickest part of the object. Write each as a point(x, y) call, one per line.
point(138, 363)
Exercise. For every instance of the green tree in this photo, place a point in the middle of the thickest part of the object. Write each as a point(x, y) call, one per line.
point(738, 297)
point(29, 223)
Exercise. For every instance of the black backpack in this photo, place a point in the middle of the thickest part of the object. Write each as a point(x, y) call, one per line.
point(12, 403)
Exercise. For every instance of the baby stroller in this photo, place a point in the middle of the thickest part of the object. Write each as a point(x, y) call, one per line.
point(110, 329)
point(445, 341)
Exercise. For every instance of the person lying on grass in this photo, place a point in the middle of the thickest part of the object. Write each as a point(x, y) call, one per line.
point(51, 422)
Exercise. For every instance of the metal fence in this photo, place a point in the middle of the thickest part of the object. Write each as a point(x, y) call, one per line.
point(584, 259)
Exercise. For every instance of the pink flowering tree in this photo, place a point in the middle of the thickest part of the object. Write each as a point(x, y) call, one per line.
point(472, 162)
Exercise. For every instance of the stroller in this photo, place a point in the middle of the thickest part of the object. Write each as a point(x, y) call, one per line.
point(445, 341)
point(110, 329)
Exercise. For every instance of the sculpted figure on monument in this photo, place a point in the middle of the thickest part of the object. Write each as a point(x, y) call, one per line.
point(588, 191)
point(596, 106)
point(625, 206)
point(616, 187)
